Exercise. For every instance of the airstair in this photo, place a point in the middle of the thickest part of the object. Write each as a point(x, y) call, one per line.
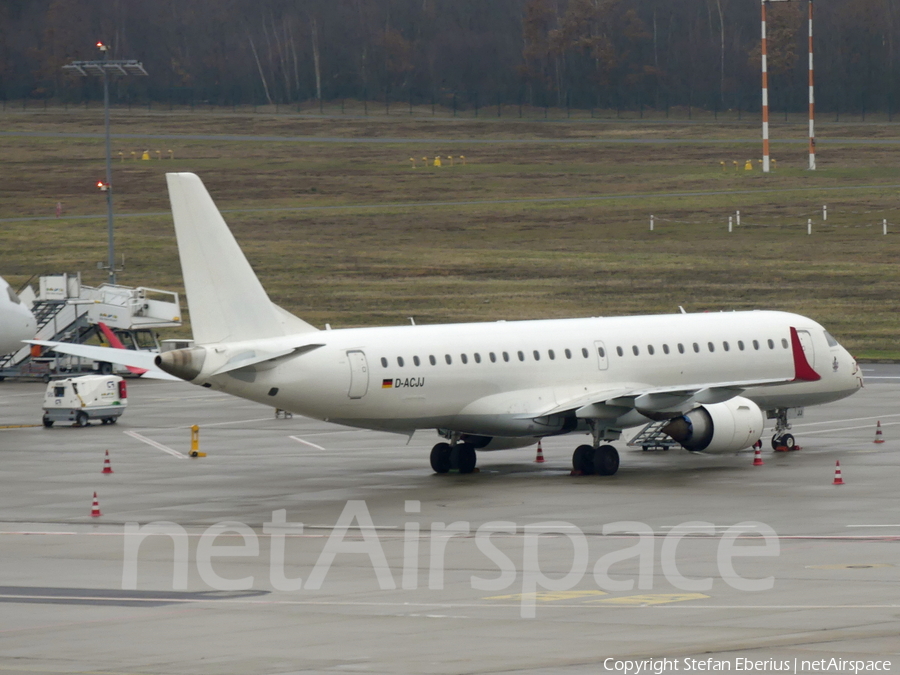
point(68, 311)
point(651, 437)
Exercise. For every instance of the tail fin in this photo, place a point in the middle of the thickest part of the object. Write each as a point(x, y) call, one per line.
point(226, 301)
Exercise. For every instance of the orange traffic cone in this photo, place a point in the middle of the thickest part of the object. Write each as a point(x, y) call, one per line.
point(107, 468)
point(878, 437)
point(540, 455)
point(757, 456)
point(838, 480)
point(95, 507)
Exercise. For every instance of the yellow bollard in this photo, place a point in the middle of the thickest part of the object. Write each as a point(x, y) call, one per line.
point(450, 157)
point(774, 164)
point(171, 154)
point(158, 154)
point(121, 157)
point(463, 158)
point(723, 166)
point(437, 161)
point(749, 165)
point(195, 442)
point(413, 160)
point(133, 156)
point(146, 155)
point(737, 167)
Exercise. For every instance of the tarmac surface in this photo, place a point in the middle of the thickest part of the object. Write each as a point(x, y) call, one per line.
point(394, 592)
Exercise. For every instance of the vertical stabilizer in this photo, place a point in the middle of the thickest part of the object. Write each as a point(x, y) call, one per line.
point(226, 301)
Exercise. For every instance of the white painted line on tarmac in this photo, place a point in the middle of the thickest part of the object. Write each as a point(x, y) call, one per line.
point(300, 440)
point(852, 419)
point(831, 431)
point(222, 424)
point(882, 377)
point(871, 525)
point(154, 444)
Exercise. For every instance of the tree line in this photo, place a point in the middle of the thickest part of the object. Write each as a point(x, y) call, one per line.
point(580, 53)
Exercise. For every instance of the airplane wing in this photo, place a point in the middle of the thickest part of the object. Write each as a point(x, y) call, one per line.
point(125, 357)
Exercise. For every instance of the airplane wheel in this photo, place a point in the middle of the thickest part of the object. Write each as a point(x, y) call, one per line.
point(606, 460)
point(776, 441)
point(440, 458)
point(788, 441)
point(463, 457)
point(583, 460)
point(81, 419)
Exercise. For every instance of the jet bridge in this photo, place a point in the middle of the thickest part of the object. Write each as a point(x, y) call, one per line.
point(68, 311)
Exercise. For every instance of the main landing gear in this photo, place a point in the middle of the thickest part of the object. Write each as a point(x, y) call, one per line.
point(602, 460)
point(459, 456)
point(781, 439)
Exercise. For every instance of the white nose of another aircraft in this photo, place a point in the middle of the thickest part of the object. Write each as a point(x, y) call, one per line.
point(17, 323)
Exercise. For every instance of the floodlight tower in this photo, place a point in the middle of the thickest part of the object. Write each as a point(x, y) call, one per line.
point(765, 91)
point(103, 68)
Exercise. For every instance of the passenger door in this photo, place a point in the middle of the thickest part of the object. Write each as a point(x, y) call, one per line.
point(359, 374)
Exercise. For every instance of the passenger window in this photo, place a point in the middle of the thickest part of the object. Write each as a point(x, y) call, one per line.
point(464, 358)
point(568, 353)
point(551, 354)
point(741, 345)
point(680, 348)
point(665, 349)
point(771, 344)
point(584, 352)
point(521, 356)
point(784, 342)
point(650, 350)
point(601, 352)
point(506, 356)
point(400, 361)
point(477, 357)
point(416, 361)
point(620, 351)
point(432, 360)
point(448, 359)
point(383, 362)
point(537, 355)
point(635, 350)
point(711, 347)
point(756, 344)
point(726, 347)
point(696, 348)
point(493, 357)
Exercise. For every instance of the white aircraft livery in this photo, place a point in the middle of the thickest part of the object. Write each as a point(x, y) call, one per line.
point(708, 380)
point(17, 323)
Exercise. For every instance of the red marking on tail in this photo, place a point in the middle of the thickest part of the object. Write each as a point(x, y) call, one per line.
point(115, 342)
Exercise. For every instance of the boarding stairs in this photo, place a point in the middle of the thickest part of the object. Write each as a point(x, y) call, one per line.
point(68, 311)
point(651, 437)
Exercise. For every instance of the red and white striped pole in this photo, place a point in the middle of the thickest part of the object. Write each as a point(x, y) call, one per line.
point(765, 93)
point(812, 98)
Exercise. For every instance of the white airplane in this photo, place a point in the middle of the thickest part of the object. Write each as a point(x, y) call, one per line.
point(710, 378)
point(17, 323)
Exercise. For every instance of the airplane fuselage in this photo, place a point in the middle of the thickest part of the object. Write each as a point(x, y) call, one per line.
point(520, 379)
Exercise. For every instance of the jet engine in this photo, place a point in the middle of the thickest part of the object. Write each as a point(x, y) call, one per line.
point(719, 427)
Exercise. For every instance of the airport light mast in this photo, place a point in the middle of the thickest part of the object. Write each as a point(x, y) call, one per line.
point(103, 68)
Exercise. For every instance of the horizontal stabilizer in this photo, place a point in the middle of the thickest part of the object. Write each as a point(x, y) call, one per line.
point(123, 357)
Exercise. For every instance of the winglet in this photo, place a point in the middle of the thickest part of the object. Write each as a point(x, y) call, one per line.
point(802, 370)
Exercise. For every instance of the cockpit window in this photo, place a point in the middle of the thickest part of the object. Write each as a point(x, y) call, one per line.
point(12, 296)
point(831, 341)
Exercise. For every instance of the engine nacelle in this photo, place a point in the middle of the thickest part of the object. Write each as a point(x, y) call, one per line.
point(719, 427)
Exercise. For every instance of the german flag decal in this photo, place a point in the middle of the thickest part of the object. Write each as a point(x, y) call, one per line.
point(387, 384)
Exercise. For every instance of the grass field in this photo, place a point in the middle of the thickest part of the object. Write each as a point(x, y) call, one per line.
point(544, 219)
